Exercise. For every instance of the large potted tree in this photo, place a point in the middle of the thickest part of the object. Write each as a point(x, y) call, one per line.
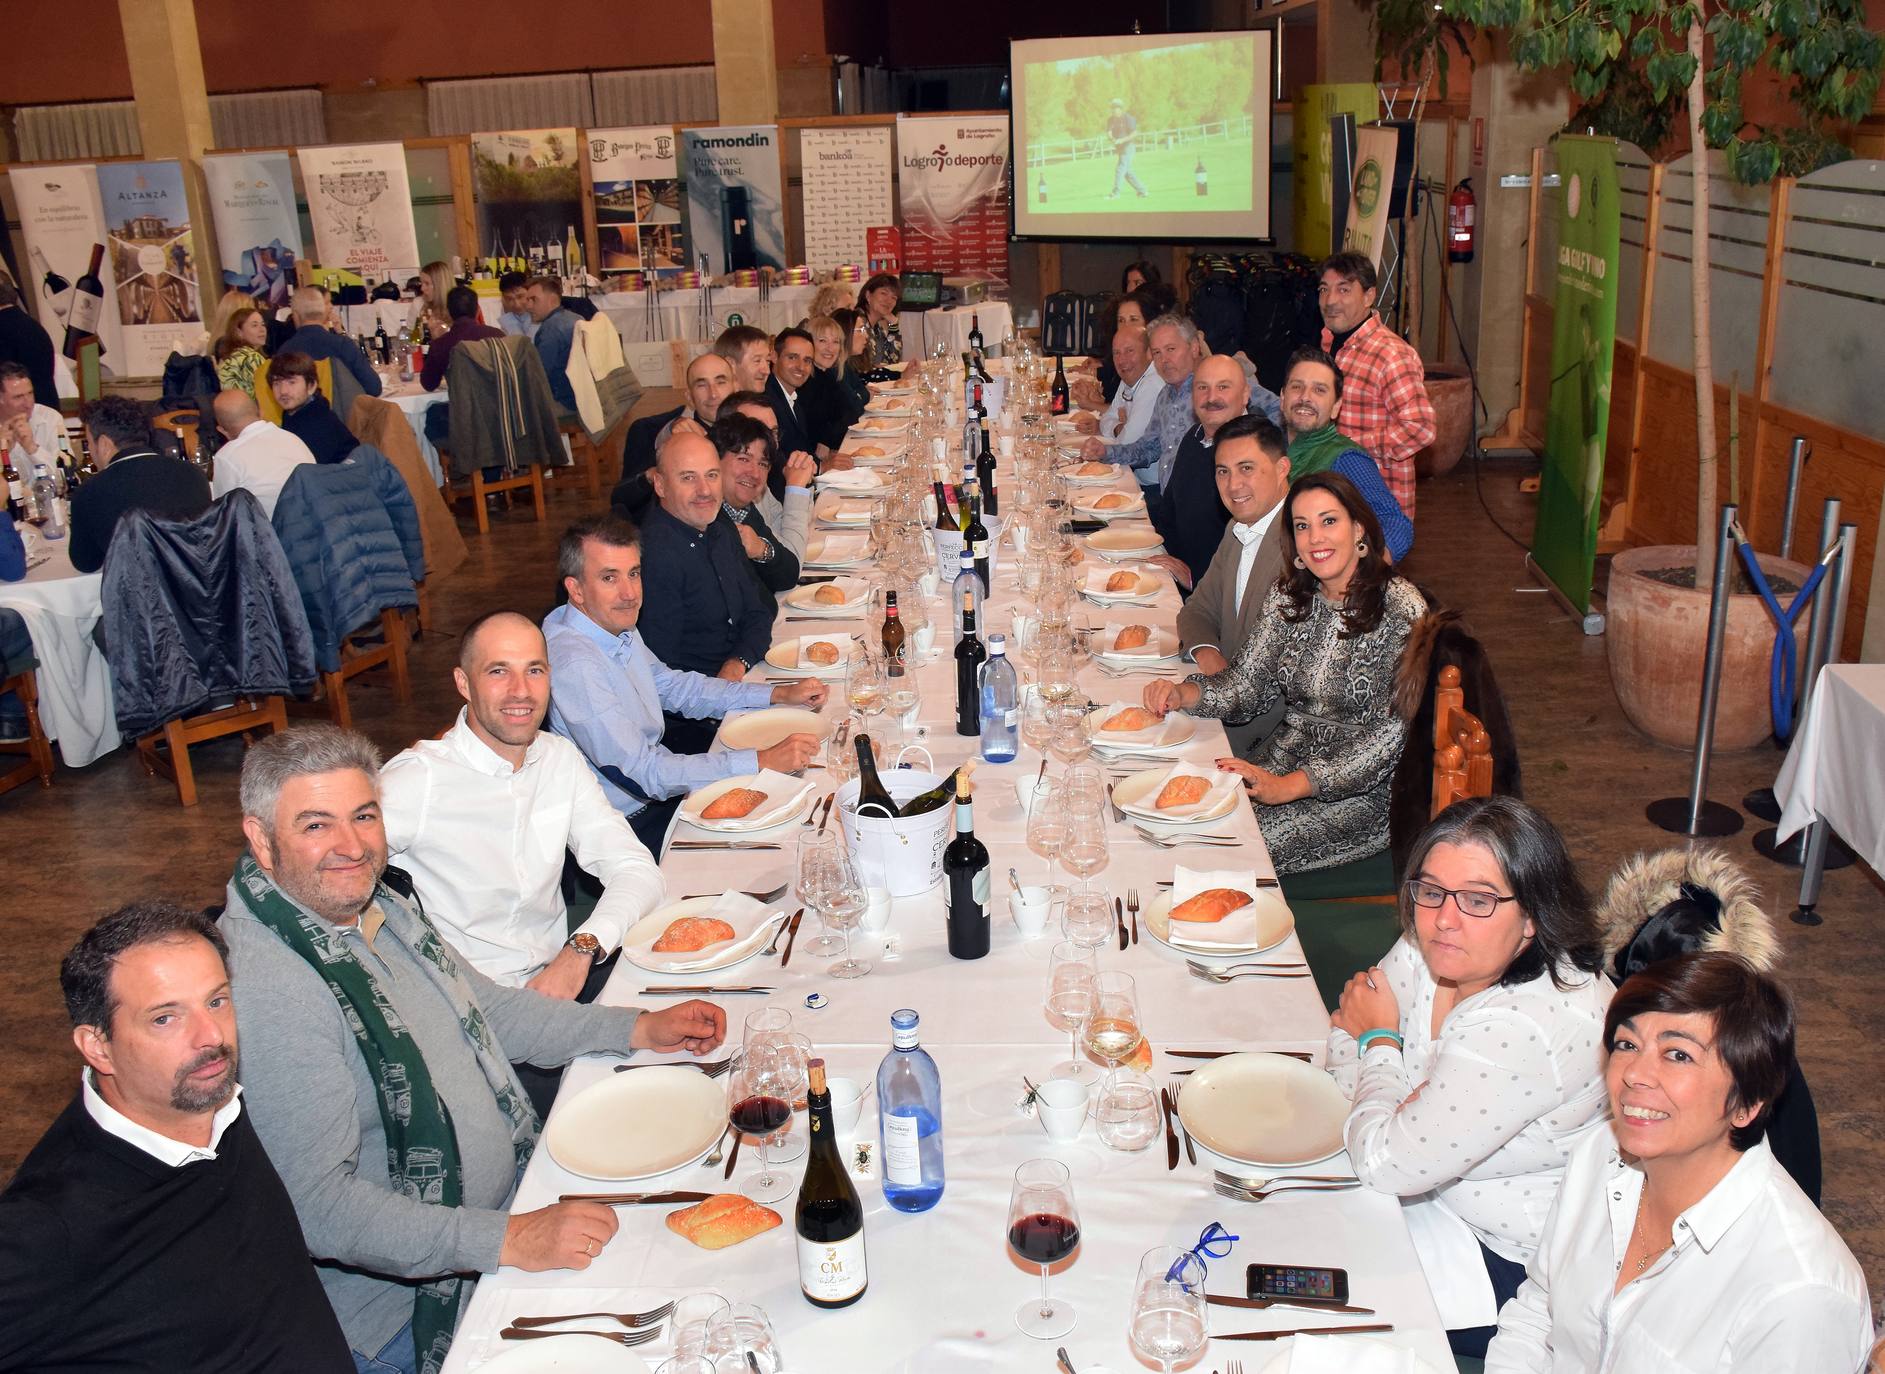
point(1700, 52)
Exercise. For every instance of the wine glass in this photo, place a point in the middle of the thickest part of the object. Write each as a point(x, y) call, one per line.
point(795, 1057)
point(1047, 824)
point(741, 1340)
point(1037, 718)
point(1086, 920)
point(864, 681)
point(759, 1086)
point(845, 900)
point(1071, 971)
point(1168, 1321)
point(1057, 683)
point(1072, 738)
point(687, 1325)
point(1112, 1031)
point(903, 695)
point(1043, 1229)
point(814, 884)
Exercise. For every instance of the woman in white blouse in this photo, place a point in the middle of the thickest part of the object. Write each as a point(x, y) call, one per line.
point(1473, 1052)
point(1678, 1244)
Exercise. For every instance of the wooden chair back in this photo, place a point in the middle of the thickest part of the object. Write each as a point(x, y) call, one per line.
point(265, 394)
point(1462, 750)
point(183, 424)
point(35, 750)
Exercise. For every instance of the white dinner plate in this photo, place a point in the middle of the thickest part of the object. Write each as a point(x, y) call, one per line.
point(1165, 643)
point(1280, 1356)
point(1131, 539)
point(888, 452)
point(637, 1125)
point(1136, 794)
point(752, 922)
point(1266, 1110)
point(763, 729)
point(851, 511)
point(881, 424)
point(856, 590)
point(1166, 734)
point(1086, 505)
point(1274, 924)
point(570, 1354)
point(860, 481)
point(785, 656)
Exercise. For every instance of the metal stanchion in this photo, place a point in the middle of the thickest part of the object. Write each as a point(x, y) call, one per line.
point(1761, 802)
point(1819, 844)
point(1694, 814)
point(1796, 459)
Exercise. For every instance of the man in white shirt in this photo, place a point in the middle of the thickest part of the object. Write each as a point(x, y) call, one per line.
point(481, 818)
point(787, 513)
point(33, 434)
point(258, 456)
point(1139, 386)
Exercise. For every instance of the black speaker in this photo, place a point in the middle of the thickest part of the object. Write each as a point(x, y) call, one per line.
point(1341, 176)
point(1403, 163)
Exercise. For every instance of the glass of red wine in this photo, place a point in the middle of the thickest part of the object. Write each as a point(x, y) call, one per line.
point(1043, 1229)
point(760, 1085)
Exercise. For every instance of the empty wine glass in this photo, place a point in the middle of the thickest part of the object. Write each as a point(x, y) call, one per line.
point(1057, 671)
point(1086, 920)
point(741, 1340)
point(1127, 1113)
point(1047, 824)
point(687, 1325)
point(1072, 738)
point(1071, 971)
point(1043, 1229)
point(813, 885)
point(795, 1057)
point(1112, 1032)
point(1037, 720)
point(845, 900)
point(1169, 1321)
point(759, 1102)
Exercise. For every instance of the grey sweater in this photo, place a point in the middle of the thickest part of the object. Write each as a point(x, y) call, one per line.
point(316, 1109)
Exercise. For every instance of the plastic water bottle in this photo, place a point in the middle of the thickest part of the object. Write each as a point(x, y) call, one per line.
point(909, 1105)
point(46, 496)
point(1001, 704)
point(967, 580)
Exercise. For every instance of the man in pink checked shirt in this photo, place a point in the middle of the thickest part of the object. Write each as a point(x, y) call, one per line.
point(1384, 388)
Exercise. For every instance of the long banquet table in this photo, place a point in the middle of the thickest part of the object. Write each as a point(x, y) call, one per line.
point(61, 607)
point(943, 1284)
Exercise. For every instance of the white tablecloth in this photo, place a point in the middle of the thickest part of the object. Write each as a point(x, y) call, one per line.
point(60, 608)
point(1832, 769)
point(943, 1284)
point(414, 401)
point(698, 314)
point(924, 329)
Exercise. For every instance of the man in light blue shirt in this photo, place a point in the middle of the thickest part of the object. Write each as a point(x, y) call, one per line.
point(516, 317)
point(608, 689)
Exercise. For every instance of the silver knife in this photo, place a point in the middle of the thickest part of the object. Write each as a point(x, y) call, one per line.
point(1261, 1303)
point(1300, 1331)
point(698, 990)
point(719, 844)
point(634, 1199)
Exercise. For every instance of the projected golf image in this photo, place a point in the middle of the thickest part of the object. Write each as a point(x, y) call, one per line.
point(1135, 132)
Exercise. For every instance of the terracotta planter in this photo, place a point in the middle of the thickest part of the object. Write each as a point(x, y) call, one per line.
point(1658, 635)
point(1451, 391)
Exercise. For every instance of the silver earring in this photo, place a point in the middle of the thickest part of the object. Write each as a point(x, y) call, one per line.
point(1361, 548)
point(1299, 562)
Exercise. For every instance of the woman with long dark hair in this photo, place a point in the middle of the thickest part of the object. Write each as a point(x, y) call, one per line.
point(1333, 628)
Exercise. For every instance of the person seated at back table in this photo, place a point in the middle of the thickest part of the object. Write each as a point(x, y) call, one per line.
point(516, 318)
point(702, 610)
point(132, 475)
point(30, 433)
point(1129, 414)
point(608, 691)
point(1327, 647)
point(1471, 1051)
point(1312, 403)
point(461, 305)
point(148, 1230)
point(839, 392)
point(375, 1059)
point(788, 514)
point(241, 350)
point(24, 340)
point(747, 451)
point(1677, 1242)
point(257, 456)
point(305, 413)
point(316, 337)
point(555, 338)
point(883, 334)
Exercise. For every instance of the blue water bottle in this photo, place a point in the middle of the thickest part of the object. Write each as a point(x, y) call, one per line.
point(909, 1106)
point(1001, 704)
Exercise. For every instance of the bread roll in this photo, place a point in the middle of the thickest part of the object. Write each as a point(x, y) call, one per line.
point(1123, 582)
point(819, 652)
point(732, 805)
point(1132, 637)
point(1213, 904)
point(1094, 470)
point(829, 594)
point(690, 934)
point(1182, 791)
point(867, 451)
point(722, 1220)
point(1113, 500)
point(1132, 718)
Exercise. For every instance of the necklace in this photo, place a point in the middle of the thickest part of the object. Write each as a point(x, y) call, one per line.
point(1635, 1227)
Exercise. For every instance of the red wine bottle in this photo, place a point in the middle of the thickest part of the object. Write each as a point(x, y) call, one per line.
point(833, 1271)
point(970, 655)
point(965, 870)
point(88, 303)
point(1061, 394)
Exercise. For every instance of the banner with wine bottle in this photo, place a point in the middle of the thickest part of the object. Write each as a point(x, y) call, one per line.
point(360, 203)
point(529, 188)
point(258, 233)
point(153, 262)
point(735, 197)
point(63, 224)
point(846, 190)
point(953, 178)
point(635, 174)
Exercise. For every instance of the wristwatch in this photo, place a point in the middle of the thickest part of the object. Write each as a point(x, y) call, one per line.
point(585, 943)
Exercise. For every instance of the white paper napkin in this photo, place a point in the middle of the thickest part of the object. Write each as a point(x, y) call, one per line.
point(842, 548)
point(1134, 504)
point(1239, 928)
point(1110, 636)
point(748, 918)
point(843, 646)
point(850, 479)
point(1347, 1355)
point(783, 795)
point(1221, 784)
point(855, 590)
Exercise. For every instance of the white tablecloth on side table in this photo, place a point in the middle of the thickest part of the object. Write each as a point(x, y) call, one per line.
point(924, 329)
point(414, 401)
point(1832, 769)
point(60, 607)
point(698, 314)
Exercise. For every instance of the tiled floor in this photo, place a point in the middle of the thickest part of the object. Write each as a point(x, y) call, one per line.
point(107, 835)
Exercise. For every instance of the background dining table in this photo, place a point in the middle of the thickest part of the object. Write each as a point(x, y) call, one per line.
point(61, 607)
point(943, 1283)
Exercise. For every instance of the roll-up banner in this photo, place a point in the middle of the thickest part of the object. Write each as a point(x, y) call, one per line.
point(360, 200)
point(64, 228)
point(637, 183)
point(1371, 192)
point(153, 261)
point(735, 197)
point(258, 233)
point(529, 186)
point(953, 178)
point(846, 190)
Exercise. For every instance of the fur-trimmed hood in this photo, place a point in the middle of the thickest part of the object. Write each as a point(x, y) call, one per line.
point(1646, 884)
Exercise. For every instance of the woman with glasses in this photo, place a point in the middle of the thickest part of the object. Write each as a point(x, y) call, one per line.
point(1473, 1053)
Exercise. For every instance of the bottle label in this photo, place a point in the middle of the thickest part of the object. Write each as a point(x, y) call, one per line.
point(978, 887)
point(831, 1271)
point(980, 550)
point(85, 308)
point(903, 1155)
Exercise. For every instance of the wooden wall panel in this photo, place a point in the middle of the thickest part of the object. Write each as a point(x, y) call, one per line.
point(1618, 455)
point(1537, 388)
point(1662, 507)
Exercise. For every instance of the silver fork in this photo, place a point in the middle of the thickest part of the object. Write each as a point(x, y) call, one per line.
point(1198, 966)
point(1230, 1190)
point(713, 1069)
point(1132, 906)
point(1278, 971)
point(1233, 1367)
point(532, 1333)
point(771, 896)
point(1190, 841)
point(631, 1319)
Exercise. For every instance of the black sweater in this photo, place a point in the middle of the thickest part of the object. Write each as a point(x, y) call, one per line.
point(140, 480)
point(1188, 514)
point(112, 1262)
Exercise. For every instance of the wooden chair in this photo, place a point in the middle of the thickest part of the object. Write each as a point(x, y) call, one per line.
point(585, 458)
point(168, 749)
point(330, 693)
point(184, 423)
point(265, 394)
point(475, 488)
point(1462, 750)
point(36, 749)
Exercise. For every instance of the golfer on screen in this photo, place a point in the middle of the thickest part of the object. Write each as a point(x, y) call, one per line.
point(1123, 129)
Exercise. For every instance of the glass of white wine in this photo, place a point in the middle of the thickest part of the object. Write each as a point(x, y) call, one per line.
point(864, 682)
point(1112, 1032)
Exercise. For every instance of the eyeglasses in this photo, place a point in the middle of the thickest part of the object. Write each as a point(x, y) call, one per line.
point(1471, 902)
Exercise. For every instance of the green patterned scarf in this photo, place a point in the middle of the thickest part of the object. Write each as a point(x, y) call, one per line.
point(421, 1146)
point(1317, 450)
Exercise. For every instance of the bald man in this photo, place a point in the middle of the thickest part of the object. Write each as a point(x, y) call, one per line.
point(480, 820)
point(709, 382)
point(256, 455)
point(1126, 419)
point(319, 334)
point(1187, 512)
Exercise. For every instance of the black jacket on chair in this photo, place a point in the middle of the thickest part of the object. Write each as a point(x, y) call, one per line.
point(795, 435)
point(198, 610)
point(1188, 514)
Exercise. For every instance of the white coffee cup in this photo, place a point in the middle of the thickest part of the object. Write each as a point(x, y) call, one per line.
point(847, 1103)
point(876, 909)
point(1004, 443)
point(1061, 1103)
point(924, 639)
point(1030, 907)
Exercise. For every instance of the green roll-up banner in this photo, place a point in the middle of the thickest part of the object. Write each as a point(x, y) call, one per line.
point(1583, 345)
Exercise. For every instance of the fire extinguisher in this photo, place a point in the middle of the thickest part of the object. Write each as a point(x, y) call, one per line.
point(1461, 211)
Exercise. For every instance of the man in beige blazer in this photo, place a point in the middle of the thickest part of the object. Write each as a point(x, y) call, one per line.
point(1252, 462)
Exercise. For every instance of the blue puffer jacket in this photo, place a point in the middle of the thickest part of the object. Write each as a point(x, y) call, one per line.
point(351, 534)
